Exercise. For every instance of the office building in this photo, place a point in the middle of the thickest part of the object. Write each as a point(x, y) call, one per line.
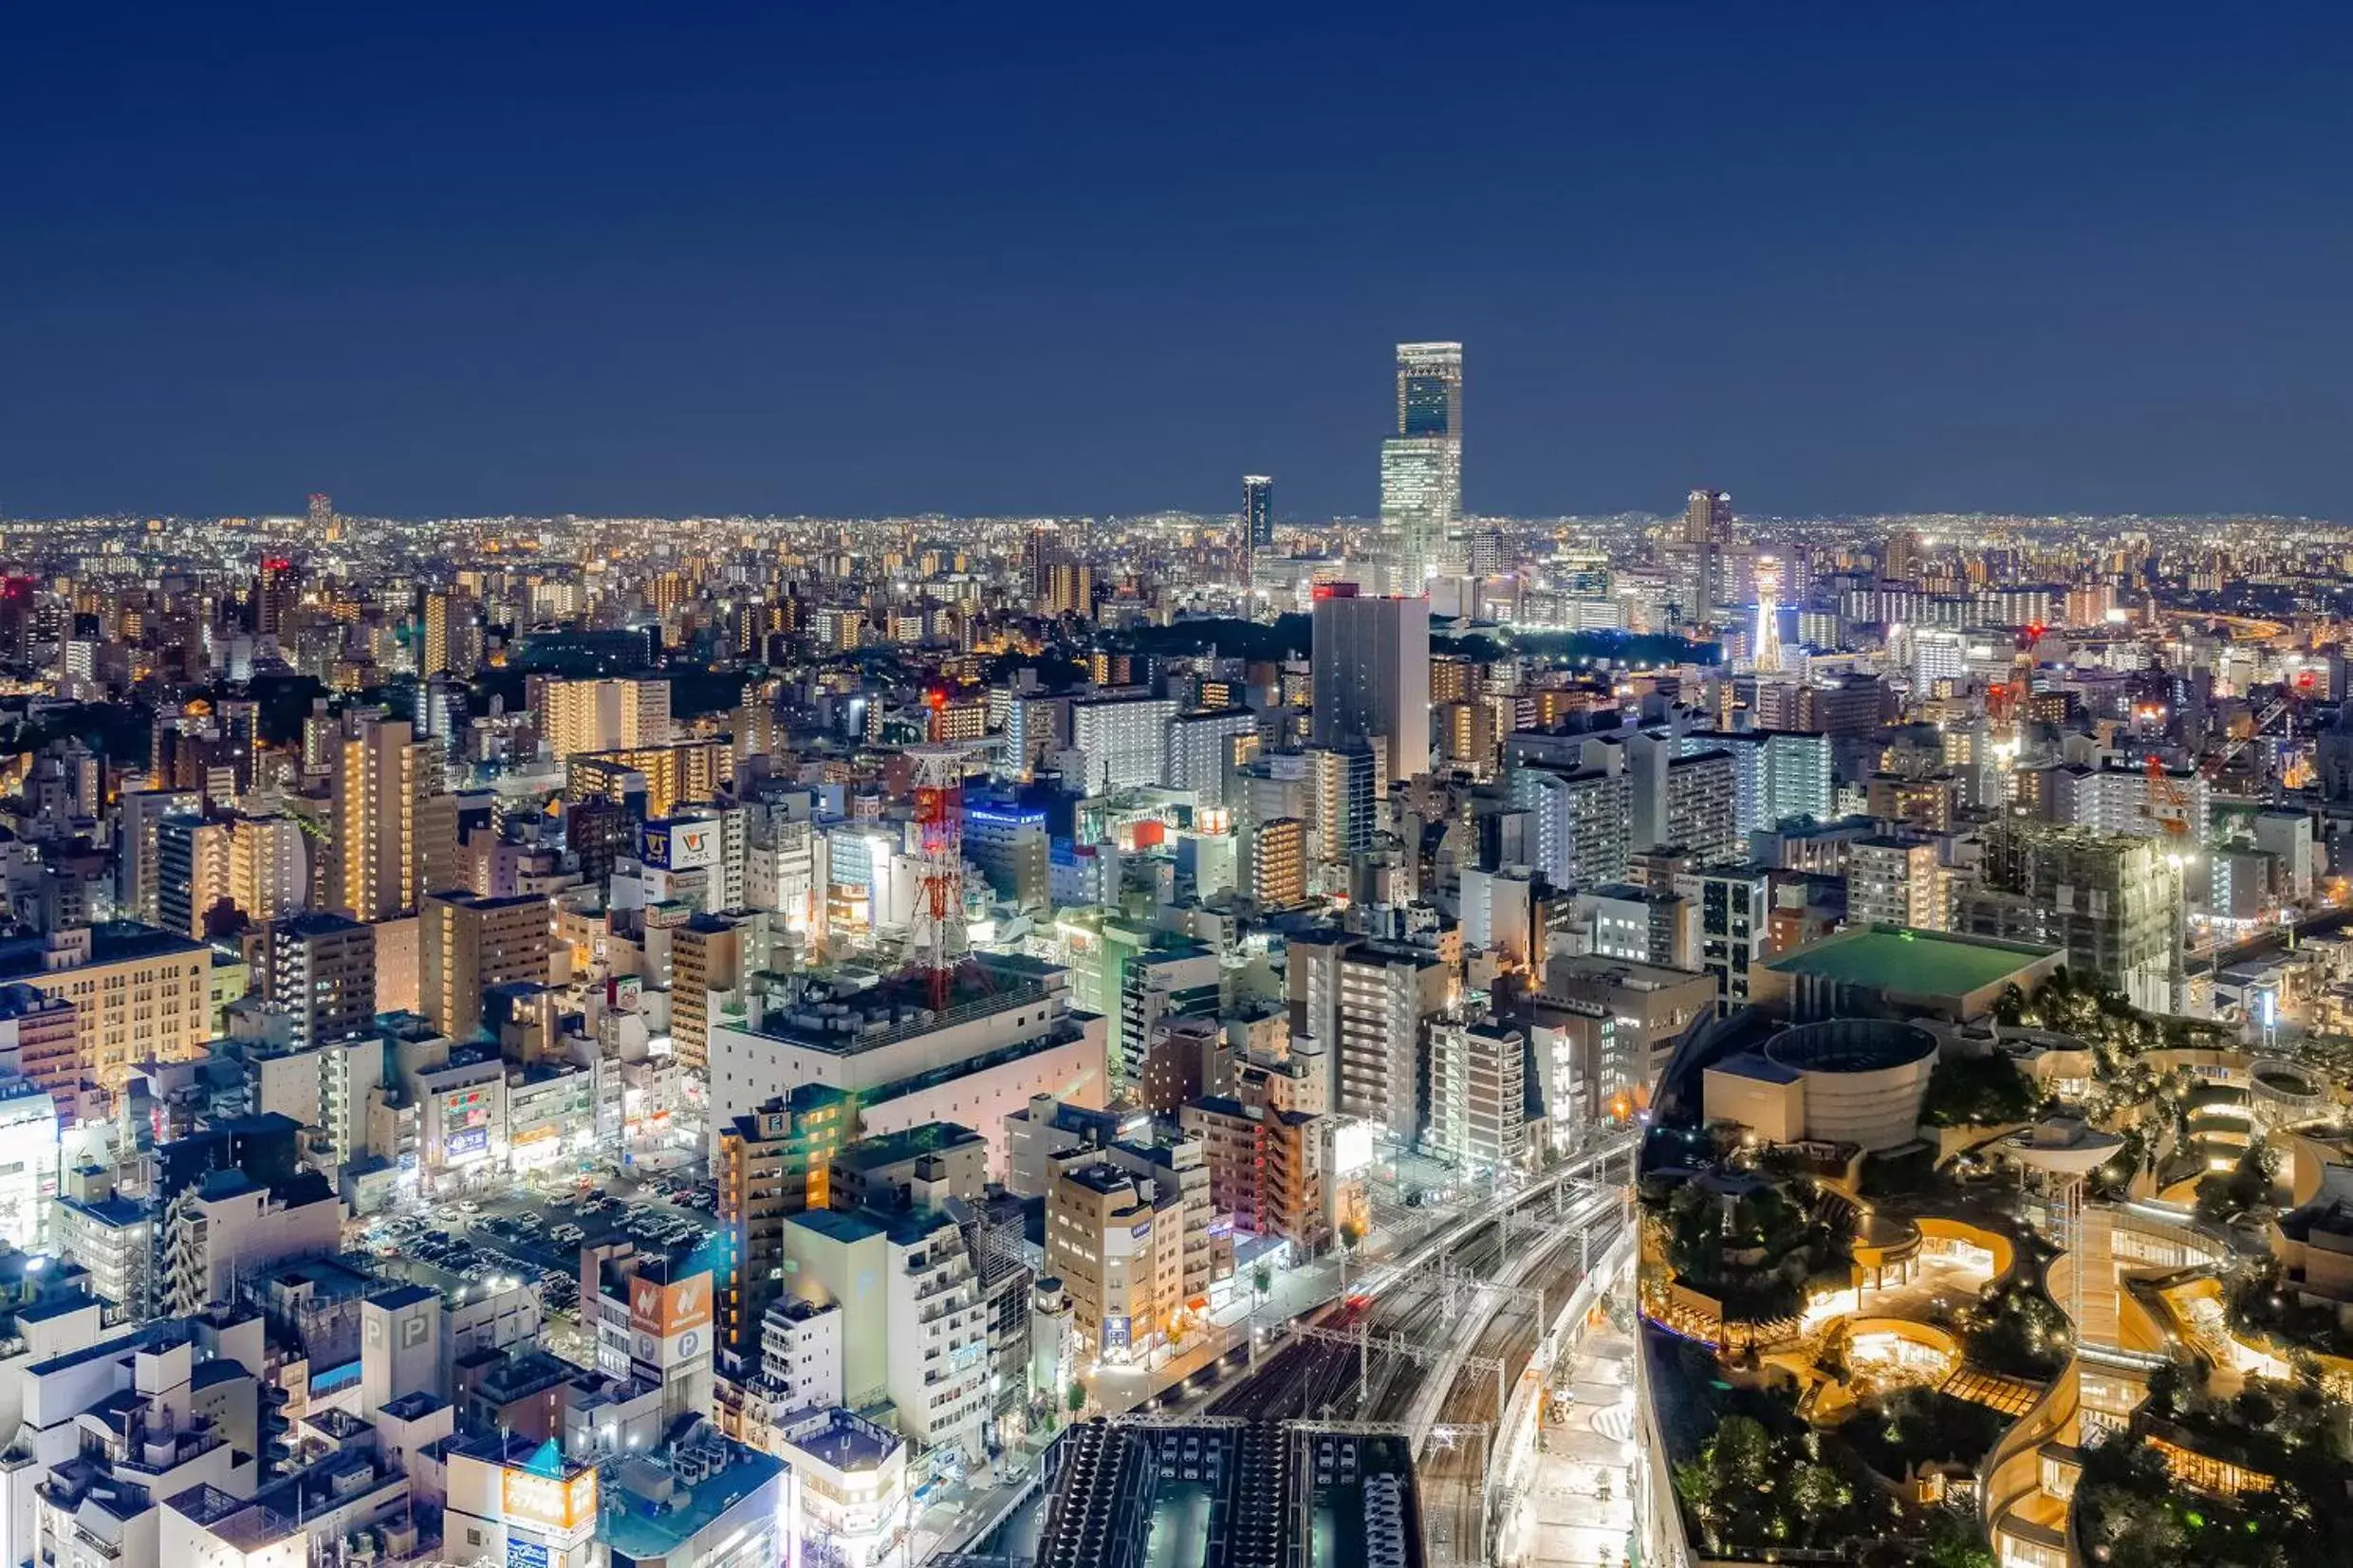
point(1732, 905)
point(1421, 463)
point(138, 994)
point(1257, 533)
point(1009, 1032)
point(1117, 1245)
point(1371, 666)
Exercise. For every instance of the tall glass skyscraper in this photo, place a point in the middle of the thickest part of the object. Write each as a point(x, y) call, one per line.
point(1257, 533)
point(1421, 464)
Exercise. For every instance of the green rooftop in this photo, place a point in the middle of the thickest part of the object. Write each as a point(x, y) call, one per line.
point(1897, 958)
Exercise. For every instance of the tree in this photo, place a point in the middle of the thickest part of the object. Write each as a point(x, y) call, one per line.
point(1075, 1396)
point(1262, 1279)
point(1816, 1493)
point(1742, 1451)
point(1952, 1543)
point(1351, 1235)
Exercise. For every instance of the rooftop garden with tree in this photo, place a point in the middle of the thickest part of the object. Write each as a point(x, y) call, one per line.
point(2135, 1511)
point(1753, 1247)
point(1984, 1091)
point(2018, 1331)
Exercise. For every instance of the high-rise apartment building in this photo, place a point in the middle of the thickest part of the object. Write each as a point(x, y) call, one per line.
point(275, 594)
point(1895, 882)
point(1125, 740)
point(268, 867)
point(1580, 821)
point(322, 970)
point(191, 873)
point(1370, 658)
point(1202, 747)
point(705, 955)
point(1421, 464)
point(1478, 1105)
point(467, 942)
point(135, 882)
point(1278, 862)
point(392, 820)
point(1707, 537)
point(771, 1166)
point(452, 640)
point(585, 716)
point(1372, 1001)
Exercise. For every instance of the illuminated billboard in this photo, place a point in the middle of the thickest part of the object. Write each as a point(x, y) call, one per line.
point(548, 1502)
point(679, 845)
point(1352, 1147)
point(663, 1310)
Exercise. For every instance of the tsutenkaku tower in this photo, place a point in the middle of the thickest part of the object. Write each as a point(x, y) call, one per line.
point(938, 935)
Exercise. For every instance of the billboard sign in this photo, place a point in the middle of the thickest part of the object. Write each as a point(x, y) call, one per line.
point(663, 1310)
point(679, 845)
point(471, 1140)
point(546, 1502)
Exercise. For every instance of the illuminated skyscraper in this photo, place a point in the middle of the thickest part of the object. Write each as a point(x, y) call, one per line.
point(1707, 534)
point(1421, 464)
point(453, 640)
point(1257, 527)
point(279, 590)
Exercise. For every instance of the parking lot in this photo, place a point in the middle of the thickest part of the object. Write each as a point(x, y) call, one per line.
point(536, 1231)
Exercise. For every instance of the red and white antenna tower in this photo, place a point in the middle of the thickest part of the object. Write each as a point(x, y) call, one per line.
point(939, 936)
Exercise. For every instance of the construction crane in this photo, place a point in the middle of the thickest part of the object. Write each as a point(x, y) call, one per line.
point(2270, 709)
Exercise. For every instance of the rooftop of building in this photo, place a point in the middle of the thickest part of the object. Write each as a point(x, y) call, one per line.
point(277, 1511)
point(519, 1376)
point(316, 923)
point(887, 1148)
point(1899, 958)
point(516, 1451)
point(848, 1015)
point(902, 1226)
point(688, 1499)
point(843, 1440)
point(468, 899)
point(114, 941)
point(412, 1407)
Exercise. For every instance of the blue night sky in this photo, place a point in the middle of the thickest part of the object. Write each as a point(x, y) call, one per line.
point(1025, 259)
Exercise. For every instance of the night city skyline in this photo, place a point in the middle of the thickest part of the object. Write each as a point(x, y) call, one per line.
point(1055, 786)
